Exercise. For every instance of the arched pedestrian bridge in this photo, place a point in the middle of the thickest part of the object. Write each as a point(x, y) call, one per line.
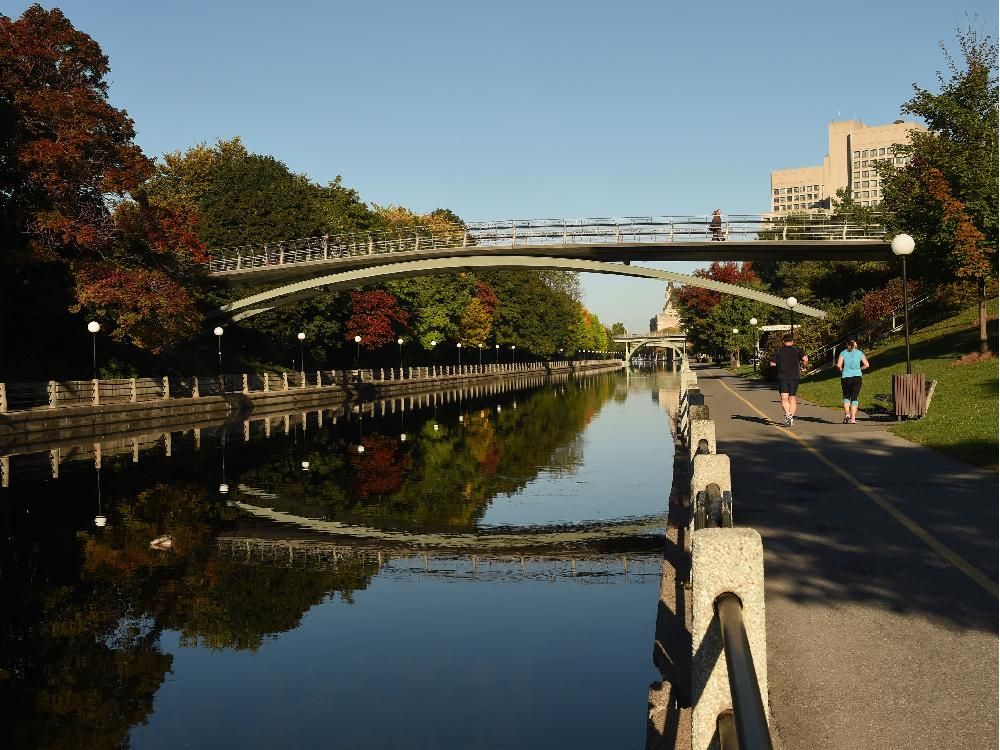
point(635, 341)
point(312, 265)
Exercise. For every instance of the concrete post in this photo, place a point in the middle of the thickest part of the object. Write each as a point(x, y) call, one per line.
point(246, 383)
point(319, 378)
point(196, 387)
point(53, 394)
point(133, 395)
point(267, 382)
point(97, 392)
point(723, 560)
point(3, 398)
point(701, 429)
point(284, 381)
point(166, 388)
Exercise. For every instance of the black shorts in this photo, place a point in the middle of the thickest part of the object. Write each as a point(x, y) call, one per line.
point(788, 386)
point(851, 388)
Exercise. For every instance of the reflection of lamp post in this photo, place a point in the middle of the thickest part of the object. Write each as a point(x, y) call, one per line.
point(791, 302)
point(223, 487)
point(218, 335)
point(400, 342)
point(93, 326)
point(756, 343)
point(902, 245)
point(302, 353)
point(100, 520)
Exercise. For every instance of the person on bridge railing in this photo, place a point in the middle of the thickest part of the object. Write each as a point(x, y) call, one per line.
point(716, 226)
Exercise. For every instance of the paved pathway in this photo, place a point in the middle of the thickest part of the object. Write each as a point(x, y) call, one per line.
point(881, 564)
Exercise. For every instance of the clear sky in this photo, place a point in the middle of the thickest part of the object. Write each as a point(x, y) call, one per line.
point(535, 109)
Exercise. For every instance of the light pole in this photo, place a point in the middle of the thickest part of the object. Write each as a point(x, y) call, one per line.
point(302, 353)
point(400, 342)
point(93, 326)
point(756, 343)
point(791, 302)
point(459, 347)
point(480, 355)
point(512, 353)
point(902, 245)
point(736, 351)
point(357, 340)
point(218, 331)
point(497, 359)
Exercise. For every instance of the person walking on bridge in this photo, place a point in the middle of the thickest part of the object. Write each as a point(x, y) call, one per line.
point(716, 225)
point(851, 363)
point(788, 361)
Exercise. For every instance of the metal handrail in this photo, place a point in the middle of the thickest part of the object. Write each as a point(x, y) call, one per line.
point(535, 232)
point(748, 705)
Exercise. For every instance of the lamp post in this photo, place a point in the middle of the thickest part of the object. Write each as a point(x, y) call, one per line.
point(902, 245)
point(512, 353)
point(93, 326)
point(459, 347)
point(736, 351)
point(400, 342)
point(480, 355)
point(302, 353)
point(218, 331)
point(497, 359)
point(756, 343)
point(791, 302)
point(357, 341)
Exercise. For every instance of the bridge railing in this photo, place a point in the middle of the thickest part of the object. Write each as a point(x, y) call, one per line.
point(529, 233)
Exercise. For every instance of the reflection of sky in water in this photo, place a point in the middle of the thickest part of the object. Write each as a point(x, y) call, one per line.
point(625, 472)
point(423, 663)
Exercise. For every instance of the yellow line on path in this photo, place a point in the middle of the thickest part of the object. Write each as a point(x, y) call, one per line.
point(915, 528)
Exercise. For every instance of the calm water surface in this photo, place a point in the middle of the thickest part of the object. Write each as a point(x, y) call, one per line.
point(488, 581)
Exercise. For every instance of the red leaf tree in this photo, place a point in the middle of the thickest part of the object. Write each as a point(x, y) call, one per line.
point(376, 316)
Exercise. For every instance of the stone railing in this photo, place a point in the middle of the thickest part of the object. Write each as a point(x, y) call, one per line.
point(52, 394)
point(726, 561)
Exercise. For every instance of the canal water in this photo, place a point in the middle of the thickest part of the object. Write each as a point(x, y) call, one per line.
point(472, 569)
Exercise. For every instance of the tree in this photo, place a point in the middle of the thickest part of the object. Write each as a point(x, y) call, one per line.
point(946, 194)
point(72, 205)
point(376, 317)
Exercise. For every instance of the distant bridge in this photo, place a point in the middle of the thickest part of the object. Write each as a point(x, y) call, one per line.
point(313, 265)
point(635, 341)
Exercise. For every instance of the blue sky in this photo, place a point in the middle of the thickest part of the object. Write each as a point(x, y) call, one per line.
point(525, 109)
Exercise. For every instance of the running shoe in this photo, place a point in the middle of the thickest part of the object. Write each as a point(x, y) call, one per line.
point(854, 421)
point(791, 421)
point(847, 419)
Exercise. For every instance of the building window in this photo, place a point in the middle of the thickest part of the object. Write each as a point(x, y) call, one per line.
point(864, 184)
point(881, 152)
point(857, 194)
point(857, 175)
point(775, 192)
point(865, 194)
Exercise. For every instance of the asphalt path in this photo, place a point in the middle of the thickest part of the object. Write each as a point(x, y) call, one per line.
point(881, 575)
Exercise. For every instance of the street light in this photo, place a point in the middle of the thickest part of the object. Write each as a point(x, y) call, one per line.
point(302, 354)
point(93, 326)
point(902, 245)
point(357, 340)
point(756, 343)
point(218, 331)
point(400, 342)
point(498, 354)
point(791, 302)
point(459, 347)
point(512, 353)
point(736, 354)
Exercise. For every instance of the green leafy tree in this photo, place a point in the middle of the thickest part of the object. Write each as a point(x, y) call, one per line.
point(945, 196)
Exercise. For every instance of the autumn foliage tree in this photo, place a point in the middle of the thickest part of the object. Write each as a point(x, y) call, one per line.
point(376, 317)
point(71, 199)
point(946, 194)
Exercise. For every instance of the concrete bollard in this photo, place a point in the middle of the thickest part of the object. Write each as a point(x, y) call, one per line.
point(710, 469)
point(701, 429)
point(723, 560)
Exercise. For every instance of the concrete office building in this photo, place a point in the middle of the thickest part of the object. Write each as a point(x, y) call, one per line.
point(854, 148)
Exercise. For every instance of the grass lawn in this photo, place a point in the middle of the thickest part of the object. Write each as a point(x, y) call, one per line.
point(962, 420)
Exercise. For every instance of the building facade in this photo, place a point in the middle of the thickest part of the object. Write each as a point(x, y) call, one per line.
point(669, 319)
point(854, 148)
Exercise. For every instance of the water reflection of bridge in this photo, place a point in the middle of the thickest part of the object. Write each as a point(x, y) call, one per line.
point(398, 563)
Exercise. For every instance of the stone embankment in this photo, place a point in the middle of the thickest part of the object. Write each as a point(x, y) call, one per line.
point(705, 558)
point(55, 413)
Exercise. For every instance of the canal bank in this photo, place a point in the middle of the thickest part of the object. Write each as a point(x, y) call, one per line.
point(105, 409)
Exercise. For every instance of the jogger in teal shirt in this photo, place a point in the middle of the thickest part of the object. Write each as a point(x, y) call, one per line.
point(851, 363)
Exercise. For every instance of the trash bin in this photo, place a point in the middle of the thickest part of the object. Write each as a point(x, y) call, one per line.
point(909, 397)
